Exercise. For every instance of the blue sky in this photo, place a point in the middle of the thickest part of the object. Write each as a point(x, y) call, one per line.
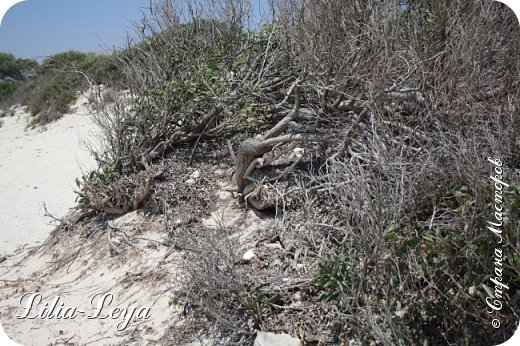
point(38, 28)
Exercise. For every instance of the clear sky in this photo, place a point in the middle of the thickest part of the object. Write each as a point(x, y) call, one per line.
point(39, 28)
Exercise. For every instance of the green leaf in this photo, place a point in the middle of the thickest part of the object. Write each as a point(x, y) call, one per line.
point(488, 290)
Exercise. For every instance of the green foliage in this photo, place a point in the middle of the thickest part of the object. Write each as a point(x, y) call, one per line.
point(13, 72)
point(17, 69)
point(259, 304)
point(57, 82)
point(34, 121)
point(101, 69)
point(174, 301)
point(63, 60)
point(54, 97)
point(7, 87)
point(337, 275)
point(456, 259)
point(106, 174)
point(181, 75)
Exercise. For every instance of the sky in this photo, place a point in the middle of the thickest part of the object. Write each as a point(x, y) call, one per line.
point(35, 29)
point(38, 28)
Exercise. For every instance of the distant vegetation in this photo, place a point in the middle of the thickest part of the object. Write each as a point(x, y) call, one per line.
point(13, 72)
point(16, 69)
point(49, 88)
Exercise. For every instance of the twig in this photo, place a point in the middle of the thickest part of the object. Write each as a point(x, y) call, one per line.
point(231, 152)
point(215, 114)
point(110, 243)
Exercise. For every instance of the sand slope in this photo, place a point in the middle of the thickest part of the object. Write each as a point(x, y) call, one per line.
point(39, 166)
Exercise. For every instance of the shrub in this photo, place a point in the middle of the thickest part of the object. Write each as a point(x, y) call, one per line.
point(56, 83)
point(182, 78)
point(7, 88)
point(95, 179)
point(16, 69)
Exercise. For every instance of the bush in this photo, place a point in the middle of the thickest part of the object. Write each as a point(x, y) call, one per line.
point(13, 72)
point(182, 78)
point(57, 83)
point(7, 88)
point(16, 69)
point(97, 179)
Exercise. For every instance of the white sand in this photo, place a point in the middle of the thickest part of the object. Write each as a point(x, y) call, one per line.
point(138, 278)
point(39, 167)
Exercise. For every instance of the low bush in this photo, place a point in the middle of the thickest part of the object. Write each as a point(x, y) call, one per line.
point(55, 84)
point(7, 88)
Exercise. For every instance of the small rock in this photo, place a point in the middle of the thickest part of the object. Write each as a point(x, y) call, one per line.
point(296, 305)
point(193, 177)
point(275, 263)
point(298, 152)
point(271, 339)
point(248, 255)
point(298, 297)
point(224, 195)
point(273, 246)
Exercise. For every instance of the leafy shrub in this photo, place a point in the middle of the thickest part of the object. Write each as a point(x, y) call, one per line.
point(179, 76)
point(404, 195)
point(428, 272)
point(7, 87)
point(57, 82)
point(16, 69)
point(95, 179)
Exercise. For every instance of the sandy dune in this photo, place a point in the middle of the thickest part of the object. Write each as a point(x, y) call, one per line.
point(36, 167)
point(41, 166)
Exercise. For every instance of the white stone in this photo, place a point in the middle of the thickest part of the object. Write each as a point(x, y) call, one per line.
point(297, 296)
point(271, 339)
point(248, 255)
point(224, 195)
point(274, 246)
point(193, 177)
point(298, 152)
